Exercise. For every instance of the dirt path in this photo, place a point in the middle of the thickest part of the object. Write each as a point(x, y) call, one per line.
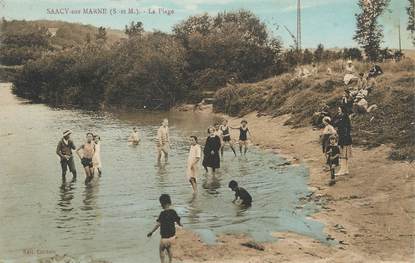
point(370, 212)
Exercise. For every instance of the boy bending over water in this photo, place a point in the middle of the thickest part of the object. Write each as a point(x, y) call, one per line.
point(241, 193)
point(166, 221)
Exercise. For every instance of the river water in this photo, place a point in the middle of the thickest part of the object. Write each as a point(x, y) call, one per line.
point(110, 218)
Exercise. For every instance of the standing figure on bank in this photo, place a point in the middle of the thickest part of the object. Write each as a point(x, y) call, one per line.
point(163, 141)
point(226, 137)
point(211, 151)
point(96, 160)
point(342, 124)
point(88, 150)
point(64, 151)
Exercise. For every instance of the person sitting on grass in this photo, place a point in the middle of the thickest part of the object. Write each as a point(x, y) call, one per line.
point(241, 193)
point(166, 221)
point(332, 154)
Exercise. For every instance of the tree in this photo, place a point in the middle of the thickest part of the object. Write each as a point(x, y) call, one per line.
point(102, 34)
point(318, 53)
point(369, 32)
point(411, 19)
point(307, 57)
point(135, 29)
point(352, 53)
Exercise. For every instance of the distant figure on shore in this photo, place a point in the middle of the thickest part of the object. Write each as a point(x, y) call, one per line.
point(211, 151)
point(342, 123)
point(134, 138)
point(88, 150)
point(64, 151)
point(375, 71)
point(163, 141)
point(350, 73)
point(166, 221)
point(241, 194)
point(332, 154)
point(195, 153)
point(226, 137)
point(96, 160)
point(243, 136)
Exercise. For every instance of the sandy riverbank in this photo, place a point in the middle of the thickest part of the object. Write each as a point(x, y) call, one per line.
point(370, 212)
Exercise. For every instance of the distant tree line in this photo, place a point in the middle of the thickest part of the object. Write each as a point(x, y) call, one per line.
point(158, 70)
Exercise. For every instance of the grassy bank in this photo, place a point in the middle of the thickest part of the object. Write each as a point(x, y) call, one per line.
point(393, 121)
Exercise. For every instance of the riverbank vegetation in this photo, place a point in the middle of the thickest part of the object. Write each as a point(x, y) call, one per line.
point(392, 122)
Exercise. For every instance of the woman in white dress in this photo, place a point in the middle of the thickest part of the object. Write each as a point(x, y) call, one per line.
point(96, 159)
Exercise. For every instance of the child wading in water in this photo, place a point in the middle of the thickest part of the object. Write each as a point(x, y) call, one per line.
point(226, 137)
point(241, 193)
point(243, 136)
point(166, 221)
point(96, 159)
point(195, 153)
point(333, 154)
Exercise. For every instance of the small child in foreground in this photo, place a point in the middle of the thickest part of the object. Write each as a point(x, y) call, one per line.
point(166, 221)
point(241, 193)
point(333, 154)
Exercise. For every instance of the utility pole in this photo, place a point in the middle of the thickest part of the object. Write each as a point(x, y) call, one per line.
point(399, 33)
point(298, 25)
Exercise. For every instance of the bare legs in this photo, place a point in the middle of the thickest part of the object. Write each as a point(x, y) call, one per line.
point(223, 146)
point(89, 172)
point(243, 144)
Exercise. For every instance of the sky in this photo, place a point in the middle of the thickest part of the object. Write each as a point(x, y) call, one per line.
point(330, 22)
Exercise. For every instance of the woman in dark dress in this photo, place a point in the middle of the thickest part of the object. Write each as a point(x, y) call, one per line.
point(211, 151)
point(342, 124)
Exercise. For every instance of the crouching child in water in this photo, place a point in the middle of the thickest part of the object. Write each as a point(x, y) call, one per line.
point(332, 154)
point(241, 193)
point(166, 221)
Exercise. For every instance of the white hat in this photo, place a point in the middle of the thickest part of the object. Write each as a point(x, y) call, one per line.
point(66, 133)
point(327, 118)
point(349, 62)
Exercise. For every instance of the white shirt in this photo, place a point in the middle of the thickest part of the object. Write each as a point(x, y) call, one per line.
point(163, 135)
point(194, 152)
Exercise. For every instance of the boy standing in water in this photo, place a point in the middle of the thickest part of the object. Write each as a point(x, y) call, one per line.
point(240, 193)
point(163, 140)
point(64, 150)
point(195, 154)
point(226, 137)
point(166, 221)
point(88, 150)
point(333, 154)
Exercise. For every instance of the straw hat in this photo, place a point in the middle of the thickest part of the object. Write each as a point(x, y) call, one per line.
point(66, 133)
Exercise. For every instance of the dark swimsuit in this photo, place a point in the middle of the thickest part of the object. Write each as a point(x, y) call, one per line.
point(226, 135)
point(243, 134)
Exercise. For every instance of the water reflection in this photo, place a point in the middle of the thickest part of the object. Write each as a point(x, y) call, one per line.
point(66, 194)
point(211, 183)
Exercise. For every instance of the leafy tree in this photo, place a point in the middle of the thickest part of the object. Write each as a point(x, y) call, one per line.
point(101, 34)
point(369, 32)
point(318, 53)
point(352, 53)
point(307, 57)
point(135, 29)
point(411, 19)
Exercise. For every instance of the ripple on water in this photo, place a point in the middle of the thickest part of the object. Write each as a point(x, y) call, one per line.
point(111, 218)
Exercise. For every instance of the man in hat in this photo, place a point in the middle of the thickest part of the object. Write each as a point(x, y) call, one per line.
point(64, 150)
